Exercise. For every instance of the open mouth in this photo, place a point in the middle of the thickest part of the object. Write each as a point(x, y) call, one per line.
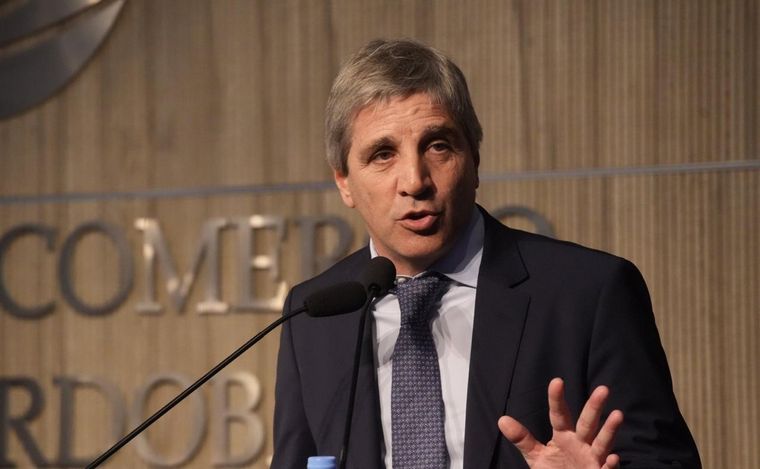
point(420, 222)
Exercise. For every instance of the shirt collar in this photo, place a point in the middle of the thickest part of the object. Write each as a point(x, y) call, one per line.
point(462, 262)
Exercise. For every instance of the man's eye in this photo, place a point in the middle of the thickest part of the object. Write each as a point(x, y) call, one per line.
point(381, 156)
point(440, 147)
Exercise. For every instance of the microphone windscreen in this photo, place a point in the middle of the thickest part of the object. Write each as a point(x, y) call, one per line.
point(378, 276)
point(337, 299)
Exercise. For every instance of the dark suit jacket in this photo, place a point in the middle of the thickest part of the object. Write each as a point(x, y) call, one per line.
point(543, 308)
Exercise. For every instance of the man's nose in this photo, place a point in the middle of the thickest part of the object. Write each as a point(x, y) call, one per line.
point(414, 178)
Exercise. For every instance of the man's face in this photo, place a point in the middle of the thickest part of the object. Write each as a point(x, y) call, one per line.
point(412, 178)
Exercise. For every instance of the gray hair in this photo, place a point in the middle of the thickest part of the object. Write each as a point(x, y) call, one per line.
point(384, 69)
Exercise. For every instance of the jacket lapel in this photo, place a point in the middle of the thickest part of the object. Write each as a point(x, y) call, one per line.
point(500, 315)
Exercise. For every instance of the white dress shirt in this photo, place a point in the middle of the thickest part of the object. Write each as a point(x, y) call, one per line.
point(452, 334)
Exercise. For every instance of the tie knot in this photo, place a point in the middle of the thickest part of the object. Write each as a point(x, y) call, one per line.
point(417, 296)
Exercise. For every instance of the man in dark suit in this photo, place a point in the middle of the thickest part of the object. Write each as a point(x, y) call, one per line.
point(514, 310)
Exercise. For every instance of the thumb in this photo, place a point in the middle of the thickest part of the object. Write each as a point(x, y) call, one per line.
point(519, 436)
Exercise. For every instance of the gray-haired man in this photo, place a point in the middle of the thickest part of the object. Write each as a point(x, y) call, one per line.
point(514, 312)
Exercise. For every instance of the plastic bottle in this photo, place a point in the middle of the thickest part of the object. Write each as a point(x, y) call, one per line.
point(321, 462)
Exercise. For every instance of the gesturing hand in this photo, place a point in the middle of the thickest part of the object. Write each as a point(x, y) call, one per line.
point(580, 446)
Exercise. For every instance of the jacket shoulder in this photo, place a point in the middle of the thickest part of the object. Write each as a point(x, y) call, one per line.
point(547, 257)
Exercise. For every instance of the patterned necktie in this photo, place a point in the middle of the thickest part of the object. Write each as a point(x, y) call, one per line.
point(417, 411)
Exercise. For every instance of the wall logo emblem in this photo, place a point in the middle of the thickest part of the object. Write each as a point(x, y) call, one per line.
point(43, 44)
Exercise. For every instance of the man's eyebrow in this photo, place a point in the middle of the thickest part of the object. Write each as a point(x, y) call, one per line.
point(449, 132)
point(377, 145)
point(442, 131)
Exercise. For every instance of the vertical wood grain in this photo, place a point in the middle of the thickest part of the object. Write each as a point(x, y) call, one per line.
point(199, 93)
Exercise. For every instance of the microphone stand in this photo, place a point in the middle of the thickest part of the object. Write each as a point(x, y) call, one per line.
point(374, 291)
point(193, 387)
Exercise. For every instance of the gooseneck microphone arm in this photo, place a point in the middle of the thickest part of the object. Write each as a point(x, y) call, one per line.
point(378, 279)
point(190, 389)
point(338, 299)
point(354, 379)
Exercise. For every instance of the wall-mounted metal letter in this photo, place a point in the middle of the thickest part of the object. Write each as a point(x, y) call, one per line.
point(246, 228)
point(126, 268)
point(154, 245)
point(196, 428)
point(7, 302)
point(67, 429)
point(540, 222)
point(18, 424)
point(310, 263)
point(223, 416)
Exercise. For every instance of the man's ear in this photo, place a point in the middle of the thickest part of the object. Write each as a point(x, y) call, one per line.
point(341, 180)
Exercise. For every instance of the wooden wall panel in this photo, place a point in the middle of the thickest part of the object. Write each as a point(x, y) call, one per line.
point(694, 238)
point(595, 114)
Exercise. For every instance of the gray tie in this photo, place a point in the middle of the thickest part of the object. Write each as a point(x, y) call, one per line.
point(417, 411)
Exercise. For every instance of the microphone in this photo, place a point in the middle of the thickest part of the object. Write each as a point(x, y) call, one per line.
point(337, 299)
point(377, 278)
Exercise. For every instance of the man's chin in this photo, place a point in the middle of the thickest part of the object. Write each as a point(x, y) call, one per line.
point(425, 251)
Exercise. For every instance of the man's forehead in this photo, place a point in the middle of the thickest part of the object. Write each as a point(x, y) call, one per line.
point(373, 118)
point(384, 103)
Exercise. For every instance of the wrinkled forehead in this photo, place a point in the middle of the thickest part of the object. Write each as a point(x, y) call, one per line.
point(377, 106)
point(383, 99)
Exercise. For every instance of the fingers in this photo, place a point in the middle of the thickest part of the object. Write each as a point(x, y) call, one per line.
point(566, 433)
point(602, 444)
point(559, 414)
point(612, 462)
point(519, 436)
point(587, 428)
point(588, 422)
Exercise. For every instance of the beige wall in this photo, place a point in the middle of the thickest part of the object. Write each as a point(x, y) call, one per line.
point(572, 95)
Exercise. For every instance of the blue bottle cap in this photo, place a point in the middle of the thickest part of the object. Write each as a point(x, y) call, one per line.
point(321, 462)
